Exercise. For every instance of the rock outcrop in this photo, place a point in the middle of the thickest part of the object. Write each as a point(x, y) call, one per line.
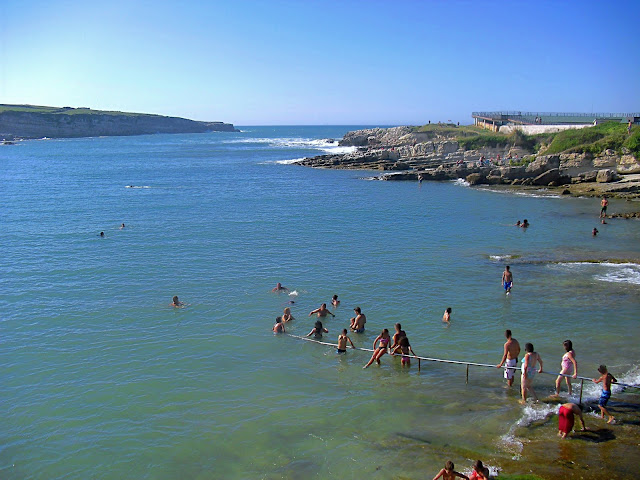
point(427, 156)
point(66, 122)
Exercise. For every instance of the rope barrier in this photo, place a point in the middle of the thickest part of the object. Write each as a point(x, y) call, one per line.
point(458, 362)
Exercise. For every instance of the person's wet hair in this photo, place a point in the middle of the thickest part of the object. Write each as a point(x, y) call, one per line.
point(602, 369)
point(357, 309)
point(318, 325)
point(528, 347)
point(568, 346)
point(398, 326)
point(449, 466)
point(507, 333)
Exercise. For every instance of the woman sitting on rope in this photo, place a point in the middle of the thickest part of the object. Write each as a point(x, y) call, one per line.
point(384, 339)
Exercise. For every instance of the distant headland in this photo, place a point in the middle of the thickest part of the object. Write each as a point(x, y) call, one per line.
point(31, 121)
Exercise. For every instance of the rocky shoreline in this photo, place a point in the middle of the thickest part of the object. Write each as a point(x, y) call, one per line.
point(404, 154)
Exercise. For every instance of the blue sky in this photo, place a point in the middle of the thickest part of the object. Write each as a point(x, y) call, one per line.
point(311, 62)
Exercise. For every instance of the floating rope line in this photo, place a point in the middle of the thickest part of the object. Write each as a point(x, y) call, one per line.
point(458, 362)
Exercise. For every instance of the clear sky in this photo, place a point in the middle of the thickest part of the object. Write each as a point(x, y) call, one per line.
point(332, 62)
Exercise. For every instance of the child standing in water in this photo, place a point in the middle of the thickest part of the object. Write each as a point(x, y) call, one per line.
point(404, 347)
point(606, 379)
point(448, 472)
point(342, 341)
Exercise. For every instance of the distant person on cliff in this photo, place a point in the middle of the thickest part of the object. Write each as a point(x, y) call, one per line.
point(566, 419)
point(507, 279)
point(279, 288)
point(323, 311)
point(604, 203)
point(509, 357)
point(357, 323)
point(629, 128)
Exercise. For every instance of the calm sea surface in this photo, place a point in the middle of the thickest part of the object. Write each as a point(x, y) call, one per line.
point(100, 378)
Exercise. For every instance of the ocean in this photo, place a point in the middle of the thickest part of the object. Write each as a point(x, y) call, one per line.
point(102, 379)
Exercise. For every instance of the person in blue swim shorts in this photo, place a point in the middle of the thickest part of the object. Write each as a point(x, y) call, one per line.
point(606, 379)
point(507, 279)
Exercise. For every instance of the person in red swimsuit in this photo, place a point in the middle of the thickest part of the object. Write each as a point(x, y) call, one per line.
point(566, 418)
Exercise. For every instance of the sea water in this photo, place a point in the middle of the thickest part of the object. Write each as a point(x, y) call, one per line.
point(101, 378)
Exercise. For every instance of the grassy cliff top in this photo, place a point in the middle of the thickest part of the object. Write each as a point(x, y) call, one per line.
point(66, 110)
point(594, 140)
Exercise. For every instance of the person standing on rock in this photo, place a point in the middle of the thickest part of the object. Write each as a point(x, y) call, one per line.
point(604, 203)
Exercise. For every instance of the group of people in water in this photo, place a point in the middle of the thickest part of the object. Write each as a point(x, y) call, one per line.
point(532, 362)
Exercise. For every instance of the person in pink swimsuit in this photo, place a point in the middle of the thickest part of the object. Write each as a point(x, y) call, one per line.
point(569, 366)
point(382, 348)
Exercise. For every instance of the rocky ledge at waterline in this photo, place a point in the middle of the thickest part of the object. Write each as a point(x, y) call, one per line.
point(404, 154)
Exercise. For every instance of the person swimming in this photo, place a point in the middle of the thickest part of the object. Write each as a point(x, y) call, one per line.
point(318, 330)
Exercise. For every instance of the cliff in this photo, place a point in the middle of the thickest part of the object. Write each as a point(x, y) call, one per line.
point(28, 121)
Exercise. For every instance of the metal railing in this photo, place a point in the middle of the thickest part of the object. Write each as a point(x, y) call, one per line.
point(459, 362)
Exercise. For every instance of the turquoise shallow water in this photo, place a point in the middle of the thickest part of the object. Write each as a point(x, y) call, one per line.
point(101, 379)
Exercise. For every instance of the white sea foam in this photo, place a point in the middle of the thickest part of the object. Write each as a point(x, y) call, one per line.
point(530, 413)
point(137, 186)
point(323, 145)
point(461, 182)
point(606, 272)
point(529, 194)
point(288, 162)
point(294, 293)
point(499, 258)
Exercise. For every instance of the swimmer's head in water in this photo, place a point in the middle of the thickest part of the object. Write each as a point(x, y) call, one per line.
point(404, 342)
point(278, 319)
point(357, 310)
point(344, 331)
point(175, 299)
point(507, 268)
point(448, 309)
point(318, 325)
point(507, 333)
point(324, 305)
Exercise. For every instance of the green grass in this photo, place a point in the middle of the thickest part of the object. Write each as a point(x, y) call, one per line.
point(595, 140)
point(63, 110)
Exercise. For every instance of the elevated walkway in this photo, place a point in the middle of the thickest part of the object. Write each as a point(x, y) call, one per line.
point(494, 120)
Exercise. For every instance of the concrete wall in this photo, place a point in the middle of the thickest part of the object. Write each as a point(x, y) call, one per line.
point(535, 129)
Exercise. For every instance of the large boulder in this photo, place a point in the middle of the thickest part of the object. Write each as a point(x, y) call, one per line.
point(494, 180)
point(628, 164)
point(574, 164)
point(545, 178)
point(511, 173)
point(475, 178)
point(542, 164)
point(605, 175)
